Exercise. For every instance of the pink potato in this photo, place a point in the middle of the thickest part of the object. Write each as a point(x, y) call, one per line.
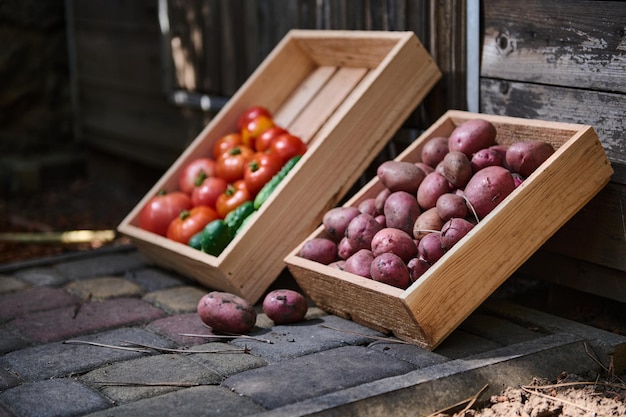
point(396, 241)
point(400, 176)
point(359, 263)
point(456, 168)
point(226, 313)
point(434, 150)
point(388, 268)
point(425, 167)
point(525, 157)
point(451, 205)
point(472, 136)
point(320, 250)
point(426, 223)
point(430, 248)
point(453, 231)
point(417, 268)
point(487, 188)
point(401, 210)
point(345, 248)
point(336, 220)
point(485, 158)
point(285, 306)
point(431, 188)
point(368, 206)
point(361, 230)
point(380, 198)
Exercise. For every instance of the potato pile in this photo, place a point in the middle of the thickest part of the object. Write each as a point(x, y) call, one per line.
point(425, 207)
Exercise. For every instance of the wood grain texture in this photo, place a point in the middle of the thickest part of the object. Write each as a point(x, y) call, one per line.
point(578, 44)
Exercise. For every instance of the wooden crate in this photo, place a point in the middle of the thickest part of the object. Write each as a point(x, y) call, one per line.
point(344, 93)
point(430, 309)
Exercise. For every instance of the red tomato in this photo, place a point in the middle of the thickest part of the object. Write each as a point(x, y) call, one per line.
point(206, 193)
point(235, 195)
point(194, 173)
point(263, 141)
point(230, 165)
point(161, 209)
point(261, 168)
point(225, 143)
point(287, 146)
point(251, 130)
point(190, 222)
point(252, 113)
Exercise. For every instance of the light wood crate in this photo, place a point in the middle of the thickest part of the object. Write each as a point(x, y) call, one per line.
point(345, 93)
point(432, 307)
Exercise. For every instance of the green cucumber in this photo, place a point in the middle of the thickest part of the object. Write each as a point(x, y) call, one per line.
point(271, 185)
point(234, 219)
point(196, 241)
point(215, 237)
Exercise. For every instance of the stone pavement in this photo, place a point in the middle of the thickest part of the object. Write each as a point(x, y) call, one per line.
point(101, 334)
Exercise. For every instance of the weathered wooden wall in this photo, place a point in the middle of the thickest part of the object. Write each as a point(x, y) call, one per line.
point(124, 73)
point(566, 61)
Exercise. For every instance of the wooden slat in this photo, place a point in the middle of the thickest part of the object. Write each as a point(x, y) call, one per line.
point(574, 43)
point(324, 104)
point(604, 111)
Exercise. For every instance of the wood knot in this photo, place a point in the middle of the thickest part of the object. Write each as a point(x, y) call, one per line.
point(504, 43)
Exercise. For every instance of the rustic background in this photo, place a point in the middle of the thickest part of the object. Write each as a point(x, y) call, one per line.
point(111, 91)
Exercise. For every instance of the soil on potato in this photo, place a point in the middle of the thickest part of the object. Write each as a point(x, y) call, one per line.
point(98, 205)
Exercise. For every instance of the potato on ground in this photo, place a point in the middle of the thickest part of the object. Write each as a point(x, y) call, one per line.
point(472, 136)
point(320, 250)
point(396, 241)
point(285, 306)
point(226, 313)
point(400, 176)
point(487, 188)
point(390, 269)
point(401, 210)
point(525, 157)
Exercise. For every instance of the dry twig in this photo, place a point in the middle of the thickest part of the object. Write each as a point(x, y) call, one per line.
point(550, 397)
point(469, 402)
point(227, 336)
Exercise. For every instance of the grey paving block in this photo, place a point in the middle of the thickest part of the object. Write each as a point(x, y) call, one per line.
point(153, 279)
point(59, 359)
point(42, 277)
point(7, 379)
point(139, 378)
point(205, 401)
point(52, 397)
point(5, 413)
point(309, 376)
point(503, 332)
point(420, 358)
point(10, 341)
point(290, 341)
point(426, 390)
point(224, 363)
point(94, 266)
point(460, 344)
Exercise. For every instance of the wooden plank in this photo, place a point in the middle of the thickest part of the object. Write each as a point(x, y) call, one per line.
point(324, 104)
point(604, 111)
point(575, 43)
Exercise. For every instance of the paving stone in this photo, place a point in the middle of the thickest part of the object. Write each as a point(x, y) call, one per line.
point(42, 277)
point(426, 390)
point(10, 341)
point(95, 266)
point(298, 339)
point(51, 325)
point(205, 401)
point(225, 364)
point(8, 379)
point(153, 279)
point(309, 376)
point(103, 288)
point(165, 369)
point(60, 359)
point(420, 358)
point(176, 300)
point(503, 332)
point(173, 326)
point(5, 413)
point(32, 300)
point(460, 344)
point(9, 284)
point(52, 397)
